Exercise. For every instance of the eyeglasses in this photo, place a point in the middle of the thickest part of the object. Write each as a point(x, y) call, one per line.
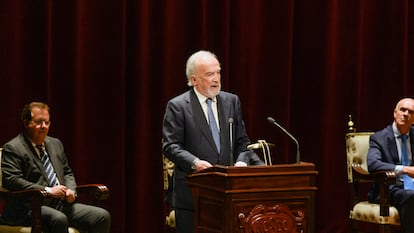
point(40, 122)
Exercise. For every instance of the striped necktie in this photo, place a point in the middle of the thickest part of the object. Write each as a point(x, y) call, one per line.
point(50, 172)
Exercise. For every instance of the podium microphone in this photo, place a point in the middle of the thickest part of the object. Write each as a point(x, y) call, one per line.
point(273, 122)
point(231, 140)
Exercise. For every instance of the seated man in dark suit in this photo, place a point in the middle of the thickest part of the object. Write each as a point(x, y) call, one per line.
point(34, 160)
point(391, 149)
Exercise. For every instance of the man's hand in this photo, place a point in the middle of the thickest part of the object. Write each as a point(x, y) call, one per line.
point(58, 191)
point(202, 164)
point(240, 164)
point(70, 196)
point(62, 192)
point(409, 170)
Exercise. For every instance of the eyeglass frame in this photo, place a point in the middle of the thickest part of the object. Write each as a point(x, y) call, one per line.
point(40, 122)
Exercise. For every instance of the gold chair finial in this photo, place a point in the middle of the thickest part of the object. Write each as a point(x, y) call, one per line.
point(351, 127)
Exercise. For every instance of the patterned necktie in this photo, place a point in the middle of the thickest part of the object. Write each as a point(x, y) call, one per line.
point(408, 181)
point(213, 125)
point(51, 175)
point(50, 172)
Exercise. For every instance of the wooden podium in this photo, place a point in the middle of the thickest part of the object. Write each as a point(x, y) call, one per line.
point(278, 198)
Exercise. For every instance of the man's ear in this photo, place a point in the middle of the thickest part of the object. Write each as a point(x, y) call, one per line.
point(26, 123)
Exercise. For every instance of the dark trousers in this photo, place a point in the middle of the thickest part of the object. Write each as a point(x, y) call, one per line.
point(184, 220)
point(83, 217)
point(403, 200)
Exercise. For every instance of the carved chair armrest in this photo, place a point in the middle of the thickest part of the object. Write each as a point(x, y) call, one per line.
point(96, 192)
point(384, 179)
point(360, 172)
point(36, 196)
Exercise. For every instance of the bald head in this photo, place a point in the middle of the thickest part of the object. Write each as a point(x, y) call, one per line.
point(404, 114)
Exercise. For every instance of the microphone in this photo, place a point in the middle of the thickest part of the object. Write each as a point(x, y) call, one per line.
point(231, 140)
point(273, 122)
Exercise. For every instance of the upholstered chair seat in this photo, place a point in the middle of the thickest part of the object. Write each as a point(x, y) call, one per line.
point(369, 212)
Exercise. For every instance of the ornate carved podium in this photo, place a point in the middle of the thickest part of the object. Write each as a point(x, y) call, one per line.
point(278, 198)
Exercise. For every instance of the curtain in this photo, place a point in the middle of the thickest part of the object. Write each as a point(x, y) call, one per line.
point(107, 69)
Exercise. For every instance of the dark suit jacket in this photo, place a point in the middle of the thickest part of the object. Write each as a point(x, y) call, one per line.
point(383, 155)
point(22, 169)
point(187, 135)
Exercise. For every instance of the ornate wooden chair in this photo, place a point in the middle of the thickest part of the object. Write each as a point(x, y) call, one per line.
point(92, 192)
point(168, 168)
point(381, 214)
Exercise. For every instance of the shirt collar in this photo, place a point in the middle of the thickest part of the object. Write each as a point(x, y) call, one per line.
point(37, 149)
point(396, 132)
point(202, 98)
point(35, 145)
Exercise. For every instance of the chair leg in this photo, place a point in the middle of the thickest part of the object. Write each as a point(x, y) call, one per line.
point(384, 229)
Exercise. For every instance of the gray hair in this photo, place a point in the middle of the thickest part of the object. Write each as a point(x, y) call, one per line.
point(192, 63)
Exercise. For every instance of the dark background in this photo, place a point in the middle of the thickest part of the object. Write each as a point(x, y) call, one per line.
point(108, 67)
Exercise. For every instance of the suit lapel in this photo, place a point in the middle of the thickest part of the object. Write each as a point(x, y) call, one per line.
point(393, 147)
point(223, 107)
point(35, 158)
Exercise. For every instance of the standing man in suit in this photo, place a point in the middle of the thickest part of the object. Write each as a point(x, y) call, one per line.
point(188, 139)
point(24, 168)
point(386, 152)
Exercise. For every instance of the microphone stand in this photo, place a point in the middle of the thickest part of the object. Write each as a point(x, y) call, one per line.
point(273, 121)
point(231, 141)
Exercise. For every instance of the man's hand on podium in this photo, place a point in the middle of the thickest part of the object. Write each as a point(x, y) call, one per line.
point(240, 164)
point(202, 164)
